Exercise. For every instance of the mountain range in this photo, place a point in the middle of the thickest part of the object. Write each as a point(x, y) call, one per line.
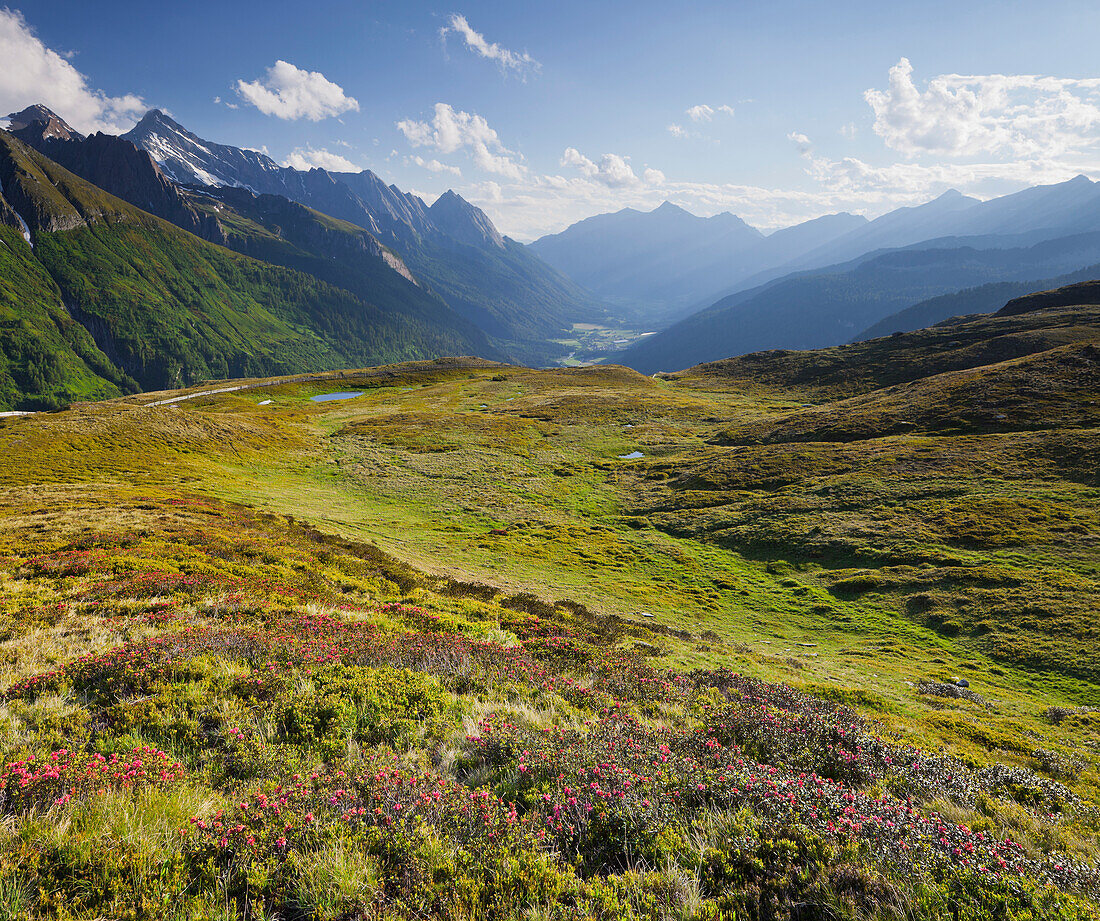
point(452, 246)
point(827, 281)
point(656, 265)
point(99, 297)
point(158, 258)
point(819, 309)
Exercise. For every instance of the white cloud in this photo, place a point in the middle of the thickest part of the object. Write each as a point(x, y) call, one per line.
point(873, 187)
point(548, 203)
point(848, 131)
point(435, 166)
point(678, 131)
point(803, 143)
point(288, 92)
point(521, 62)
point(704, 113)
point(450, 131)
point(1000, 114)
point(32, 73)
point(612, 170)
point(305, 158)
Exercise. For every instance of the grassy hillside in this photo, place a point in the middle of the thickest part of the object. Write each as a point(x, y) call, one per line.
point(43, 351)
point(845, 370)
point(449, 649)
point(282, 232)
point(166, 308)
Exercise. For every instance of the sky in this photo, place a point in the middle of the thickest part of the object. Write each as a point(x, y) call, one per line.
point(546, 113)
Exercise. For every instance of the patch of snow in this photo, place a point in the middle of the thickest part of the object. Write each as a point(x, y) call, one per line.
point(16, 412)
point(265, 402)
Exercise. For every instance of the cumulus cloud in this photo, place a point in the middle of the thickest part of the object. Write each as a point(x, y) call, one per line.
point(450, 131)
point(32, 73)
point(678, 131)
point(290, 93)
point(612, 170)
point(1016, 115)
point(521, 62)
point(435, 166)
point(873, 187)
point(305, 158)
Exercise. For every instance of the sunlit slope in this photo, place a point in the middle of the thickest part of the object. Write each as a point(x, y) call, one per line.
point(168, 308)
point(461, 578)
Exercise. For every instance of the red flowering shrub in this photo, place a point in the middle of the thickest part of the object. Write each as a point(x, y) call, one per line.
point(67, 775)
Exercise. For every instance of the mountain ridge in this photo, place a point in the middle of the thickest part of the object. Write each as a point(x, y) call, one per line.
point(521, 302)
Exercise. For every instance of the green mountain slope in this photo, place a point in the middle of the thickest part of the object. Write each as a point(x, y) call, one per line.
point(982, 299)
point(515, 297)
point(282, 232)
point(43, 351)
point(167, 308)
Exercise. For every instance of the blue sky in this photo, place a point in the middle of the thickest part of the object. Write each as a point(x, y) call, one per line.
point(546, 113)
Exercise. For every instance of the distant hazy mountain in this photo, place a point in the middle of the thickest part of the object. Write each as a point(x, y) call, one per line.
point(452, 246)
point(624, 253)
point(982, 299)
point(658, 263)
point(1040, 212)
point(818, 309)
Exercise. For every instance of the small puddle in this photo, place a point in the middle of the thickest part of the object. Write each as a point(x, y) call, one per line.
point(633, 455)
point(265, 402)
point(342, 395)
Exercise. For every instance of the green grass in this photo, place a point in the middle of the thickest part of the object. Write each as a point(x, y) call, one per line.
point(486, 496)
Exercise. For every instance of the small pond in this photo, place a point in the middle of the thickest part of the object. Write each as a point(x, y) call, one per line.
point(342, 395)
point(633, 455)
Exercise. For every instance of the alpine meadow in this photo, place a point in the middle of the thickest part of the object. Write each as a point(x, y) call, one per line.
point(547, 464)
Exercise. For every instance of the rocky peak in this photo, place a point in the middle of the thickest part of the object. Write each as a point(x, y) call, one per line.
point(466, 223)
point(189, 159)
point(38, 122)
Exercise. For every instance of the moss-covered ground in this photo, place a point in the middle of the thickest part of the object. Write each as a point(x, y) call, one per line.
point(462, 578)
